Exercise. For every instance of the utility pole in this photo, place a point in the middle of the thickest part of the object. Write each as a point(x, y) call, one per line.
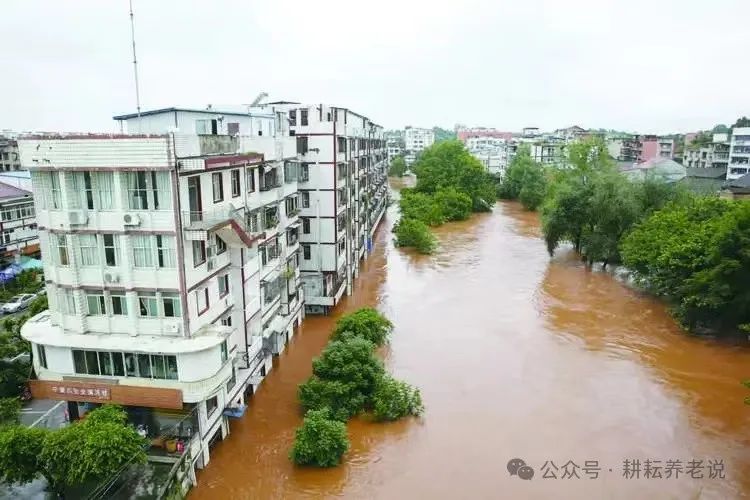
point(135, 66)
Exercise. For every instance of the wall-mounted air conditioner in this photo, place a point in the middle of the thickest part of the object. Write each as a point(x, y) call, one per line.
point(111, 278)
point(131, 219)
point(77, 217)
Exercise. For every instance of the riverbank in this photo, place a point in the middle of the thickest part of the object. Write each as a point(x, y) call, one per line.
point(517, 355)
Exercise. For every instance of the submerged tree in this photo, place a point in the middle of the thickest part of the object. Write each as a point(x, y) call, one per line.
point(320, 441)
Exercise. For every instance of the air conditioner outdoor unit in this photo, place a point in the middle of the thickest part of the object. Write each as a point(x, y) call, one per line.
point(111, 278)
point(77, 217)
point(131, 219)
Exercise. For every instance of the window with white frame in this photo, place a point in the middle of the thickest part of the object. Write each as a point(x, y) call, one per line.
point(95, 303)
point(148, 190)
point(147, 305)
point(305, 199)
point(55, 199)
point(66, 301)
point(201, 297)
point(137, 191)
point(111, 249)
point(223, 285)
point(42, 354)
point(165, 252)
point(88, 250)
point(171, 304)
point(221, 246)
point(61, 242)
point(217, 182)
point(118, 303)
point(143, 250)
point(235, 177)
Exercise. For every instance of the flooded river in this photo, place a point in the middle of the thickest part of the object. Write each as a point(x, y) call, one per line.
point(517, 356)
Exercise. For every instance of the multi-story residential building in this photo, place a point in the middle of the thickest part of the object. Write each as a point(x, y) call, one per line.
point(171, 261)
point(17, 223)
point(547, 152)
point(713, 155)
point(739, 153)
point(656, 147)
point(463, 133)
point(418, 139)
point(395, 148)
point(9, 154)
point(344, 194)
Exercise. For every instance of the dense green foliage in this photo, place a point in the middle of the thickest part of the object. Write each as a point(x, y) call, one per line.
point(320, 441)
point(348, 378)
point(416, 234)
point(10, 410)
point(442, 134)
point(394, 399)
point(451, 184)
point(697, 254)
point(398, 167)
point(94, 448)
point(13, 377)
point(366, 323)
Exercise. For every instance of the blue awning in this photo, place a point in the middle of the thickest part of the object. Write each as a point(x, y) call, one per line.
point(235, 412)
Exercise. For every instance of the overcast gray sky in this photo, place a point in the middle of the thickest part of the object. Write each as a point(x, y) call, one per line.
point(645, 65)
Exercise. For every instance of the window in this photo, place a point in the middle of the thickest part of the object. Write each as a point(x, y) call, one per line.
point(303, 117)
point(92, 362)
point(118, 364)
point(165, 254)
point(306, 252)
point(211, 405)
point(42, 353)
point(306, 225)
point(250, 180)
point(54, 184)
point(304, 172)
point(88, 190)
point(88, 250)
point(221, 246)
point(224, 353)
point(111, 251)
point(199, 252)
point(6, 237)
point(235, 183)
point(147, 304)
point(301, 145)
point(171, 367)
point(119, 304)
point(305, 199)
point(293, 117)
point(291, 206)
point(171, 303)
point(157, 366)
point(233, 128)
point(143, 251)
point(105, 363)
point(223, 285)
point(144, 366)
point(218, 187)
point(95, 303)
point(104, 186)
point(131, 365)
point(137, 193)
point(206, 127)
point(62, 250)
point(66, 301)
point(201, 299)
point(226, 321)
point(79, 361)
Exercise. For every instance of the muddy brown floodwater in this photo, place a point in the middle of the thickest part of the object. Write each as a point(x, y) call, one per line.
point(517, 356)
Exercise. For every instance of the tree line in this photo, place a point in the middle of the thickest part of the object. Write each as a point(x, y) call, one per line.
point(690, 249)
point(451, 185)
point(348, 379)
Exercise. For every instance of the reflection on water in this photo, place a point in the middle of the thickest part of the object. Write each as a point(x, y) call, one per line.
point(516, 354)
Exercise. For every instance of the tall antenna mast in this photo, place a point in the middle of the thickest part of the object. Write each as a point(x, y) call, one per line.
point(135, 65)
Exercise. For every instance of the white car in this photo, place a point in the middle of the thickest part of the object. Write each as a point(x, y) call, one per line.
point(18, 303)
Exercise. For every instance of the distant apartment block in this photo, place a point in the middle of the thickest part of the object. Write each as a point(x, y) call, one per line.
point(418, 139)
point(713, 155)
point(18, 226)
point(640, 148)
point(343, 192)
point(9, 160)
point(739, 153)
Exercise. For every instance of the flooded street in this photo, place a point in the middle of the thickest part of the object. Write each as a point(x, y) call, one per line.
point(517, 355)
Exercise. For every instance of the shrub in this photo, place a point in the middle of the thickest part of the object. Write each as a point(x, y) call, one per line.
point(421, 207)
point(413, 233)
point(343, 399)
point(453, 204)
point(351, 361)
point(366, 323)
point(320, 441)
point(10, 410)
point(394, 399)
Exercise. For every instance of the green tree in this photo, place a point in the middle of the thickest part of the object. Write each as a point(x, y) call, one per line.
point(21, 455)
point(398, 167)
point(414, 233)
point(720, 129)
point(442, 134)
point(534, 188)
point(394, 399)
point(320, 441)
point(742, 122)
point(453, 204)
point(342, 399)
point(13, 377)
point(566, 214)
point(350, 361)
point(366, 323)
point(10, 410)
point(421, 207)
point(512, 181)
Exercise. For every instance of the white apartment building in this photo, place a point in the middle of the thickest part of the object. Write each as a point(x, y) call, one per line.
point(416, 140)
point(739, 153)
point(714, 155)
point(18, 231)
point(171, 263)
point(343, 192)
point(394, 149)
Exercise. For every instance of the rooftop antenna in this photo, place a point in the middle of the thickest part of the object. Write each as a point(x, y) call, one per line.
point(135, 66)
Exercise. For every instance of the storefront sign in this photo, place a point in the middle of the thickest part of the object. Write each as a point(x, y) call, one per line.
point(127, 395)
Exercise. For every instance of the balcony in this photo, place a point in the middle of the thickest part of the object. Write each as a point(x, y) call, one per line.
point(218, 144)
point(229, 223)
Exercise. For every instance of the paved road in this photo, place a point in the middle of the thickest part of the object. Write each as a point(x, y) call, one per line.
point(43, 413)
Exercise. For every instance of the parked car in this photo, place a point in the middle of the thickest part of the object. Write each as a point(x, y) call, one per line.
point(18, 303)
